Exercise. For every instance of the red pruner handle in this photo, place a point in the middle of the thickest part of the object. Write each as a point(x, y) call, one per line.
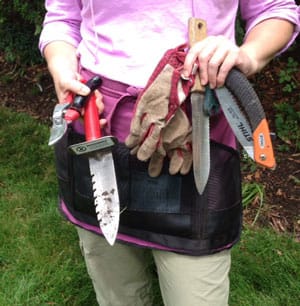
point(71, 114)
point(91, 119)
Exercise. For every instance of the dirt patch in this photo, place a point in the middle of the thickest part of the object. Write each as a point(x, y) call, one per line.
point(32, 91)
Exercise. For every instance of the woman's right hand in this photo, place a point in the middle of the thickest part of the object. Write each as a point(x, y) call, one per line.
point(68, 83)
point(63, 66)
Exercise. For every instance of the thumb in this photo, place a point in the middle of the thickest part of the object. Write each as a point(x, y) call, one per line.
point(78, 88)
point(74, 86)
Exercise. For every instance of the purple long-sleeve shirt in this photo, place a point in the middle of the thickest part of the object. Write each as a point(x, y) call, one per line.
point(123, 40)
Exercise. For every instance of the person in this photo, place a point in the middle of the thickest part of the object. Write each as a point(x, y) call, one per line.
point(189, 236)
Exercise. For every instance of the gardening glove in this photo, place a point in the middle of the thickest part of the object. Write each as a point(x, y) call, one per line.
point(178, 144)
point(157, 103)
point(175, 142)
point(181, 158)
point(157, 160)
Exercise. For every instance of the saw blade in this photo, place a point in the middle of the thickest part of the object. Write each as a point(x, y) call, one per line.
point(106, 197)
point(236, 120)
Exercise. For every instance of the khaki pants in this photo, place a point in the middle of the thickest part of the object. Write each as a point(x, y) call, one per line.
point(121, 275)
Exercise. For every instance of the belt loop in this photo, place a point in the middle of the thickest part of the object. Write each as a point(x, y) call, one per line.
point(133, 91)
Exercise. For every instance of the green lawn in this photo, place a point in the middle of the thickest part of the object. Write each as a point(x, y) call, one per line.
point(40, 261)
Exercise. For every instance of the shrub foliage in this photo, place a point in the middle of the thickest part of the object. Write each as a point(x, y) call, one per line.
point(20, 25)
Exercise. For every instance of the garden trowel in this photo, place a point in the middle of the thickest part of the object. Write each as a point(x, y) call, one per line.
point(98, 150)
point(200, 120)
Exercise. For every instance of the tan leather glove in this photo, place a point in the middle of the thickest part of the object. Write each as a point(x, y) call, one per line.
point(157, 103)
point(150, 114)
point(179, 147)
point(176, 142)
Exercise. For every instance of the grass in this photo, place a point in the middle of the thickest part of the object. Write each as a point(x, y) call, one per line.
point(265, 270)
point(40, 261)
point(253, 193)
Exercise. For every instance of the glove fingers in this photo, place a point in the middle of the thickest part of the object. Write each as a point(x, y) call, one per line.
point(132, 141)
point(139, 132)
point(176, 161)
point(134, 150)
point(176, 130)
point(150, 144)
point(156, 164)
point(187, 164)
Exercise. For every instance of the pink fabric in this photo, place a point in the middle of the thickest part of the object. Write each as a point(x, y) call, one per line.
point(124, 40)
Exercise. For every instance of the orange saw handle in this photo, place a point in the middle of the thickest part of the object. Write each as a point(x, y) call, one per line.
point(248, 100)
point(263, 150)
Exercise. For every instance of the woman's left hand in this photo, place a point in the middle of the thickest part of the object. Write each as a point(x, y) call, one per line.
point(216, 56)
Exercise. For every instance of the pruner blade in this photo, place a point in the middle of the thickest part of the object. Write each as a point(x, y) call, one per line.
point(59, 123)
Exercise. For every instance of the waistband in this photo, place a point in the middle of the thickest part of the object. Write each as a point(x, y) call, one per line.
point(112, 84)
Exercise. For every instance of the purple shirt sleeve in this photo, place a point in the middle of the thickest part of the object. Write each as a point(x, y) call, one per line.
point(254, 12)
point(62, 22)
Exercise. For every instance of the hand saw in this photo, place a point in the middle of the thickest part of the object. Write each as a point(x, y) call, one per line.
point(245, 115)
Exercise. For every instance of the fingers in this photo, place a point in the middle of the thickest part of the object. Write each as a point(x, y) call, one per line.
point(100, 106)
point(223, 60)
point(103, 122)
point(99, 101)
point(74, 85)
point(65, 86)
point(215, 56)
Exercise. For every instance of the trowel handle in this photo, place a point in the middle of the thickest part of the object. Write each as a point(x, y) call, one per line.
point(91, 119)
